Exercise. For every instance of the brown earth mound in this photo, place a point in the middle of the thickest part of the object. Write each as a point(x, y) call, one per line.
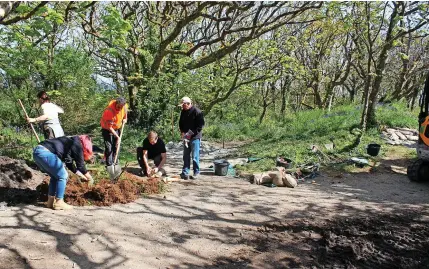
point(105, 193)
point(18, 182)
point(17, 174)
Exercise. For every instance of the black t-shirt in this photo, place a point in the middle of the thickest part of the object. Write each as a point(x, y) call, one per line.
point(155, 149)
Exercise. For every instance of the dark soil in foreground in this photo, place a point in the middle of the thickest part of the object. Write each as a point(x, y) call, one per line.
point(378, 241)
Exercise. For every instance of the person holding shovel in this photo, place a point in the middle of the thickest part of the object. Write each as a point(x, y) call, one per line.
point(191, 125)
point(51, 155)
point(51, 123)
point(114, 115)
point(153, 148)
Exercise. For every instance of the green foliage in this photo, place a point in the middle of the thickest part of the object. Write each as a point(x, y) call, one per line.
point(17, 143)
point(294, 135)
point(397, 115)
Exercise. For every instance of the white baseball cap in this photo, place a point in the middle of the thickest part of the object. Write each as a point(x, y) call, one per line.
point(186, 100)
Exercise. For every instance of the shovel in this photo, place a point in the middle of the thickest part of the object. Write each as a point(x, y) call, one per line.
point(115, 170)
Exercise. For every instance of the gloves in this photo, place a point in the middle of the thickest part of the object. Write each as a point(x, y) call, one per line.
point(187, 138)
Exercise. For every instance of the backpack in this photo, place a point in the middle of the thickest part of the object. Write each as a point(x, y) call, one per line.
point(86, 142)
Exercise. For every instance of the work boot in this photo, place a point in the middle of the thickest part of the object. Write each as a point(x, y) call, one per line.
point(183, 176)
point(61, 205)
point(50, 203)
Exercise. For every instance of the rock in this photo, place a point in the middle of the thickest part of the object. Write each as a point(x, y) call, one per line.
point(290, 181)
point(391, 142)
point(393, 136)
point(401, 136)
point(406, 132)
point(413, 137)
point(170, 145)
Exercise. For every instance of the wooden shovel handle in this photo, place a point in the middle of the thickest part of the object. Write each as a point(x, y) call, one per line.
point(119, 145)
point(31, 125)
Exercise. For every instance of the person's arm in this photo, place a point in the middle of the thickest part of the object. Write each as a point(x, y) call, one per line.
point(163, 161)
point(41, 118)
point(77, 156)
point(145, 160)
point(163, 154)
point(114, 132)
point(125, 119)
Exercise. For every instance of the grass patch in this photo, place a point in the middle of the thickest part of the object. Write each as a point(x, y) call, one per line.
point(294, 136)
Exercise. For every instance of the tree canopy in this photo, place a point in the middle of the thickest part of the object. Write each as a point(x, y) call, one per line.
point(234, 59)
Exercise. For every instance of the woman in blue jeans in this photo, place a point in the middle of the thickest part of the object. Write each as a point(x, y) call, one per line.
point(51, 155)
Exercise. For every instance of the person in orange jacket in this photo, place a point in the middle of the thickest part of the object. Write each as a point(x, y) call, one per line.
point(114, 115)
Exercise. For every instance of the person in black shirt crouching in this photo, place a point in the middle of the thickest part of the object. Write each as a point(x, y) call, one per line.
point(153, 148)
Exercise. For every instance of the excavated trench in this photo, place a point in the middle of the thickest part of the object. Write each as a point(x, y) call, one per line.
point(375, 241)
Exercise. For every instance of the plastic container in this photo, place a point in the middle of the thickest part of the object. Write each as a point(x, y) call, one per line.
point(373, 149)
point(221, 167)
point(284, 162)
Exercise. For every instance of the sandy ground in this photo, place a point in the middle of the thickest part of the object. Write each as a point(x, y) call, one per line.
point(208, 223)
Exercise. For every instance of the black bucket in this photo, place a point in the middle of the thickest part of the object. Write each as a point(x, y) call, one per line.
point(373, 149)
point(221, 167)
point(284, 162)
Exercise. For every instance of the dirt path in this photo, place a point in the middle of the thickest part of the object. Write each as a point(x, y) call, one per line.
point(214, 222)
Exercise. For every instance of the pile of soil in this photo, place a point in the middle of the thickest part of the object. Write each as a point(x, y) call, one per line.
point(21, 184)
point(18, 182)
point(17, 174)
point(105, 193)
point(379, 241)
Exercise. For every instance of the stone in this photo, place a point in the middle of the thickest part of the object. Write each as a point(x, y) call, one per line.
point(401, 136)
point(170, 145)
point(413, 137)
point(406, 132)
point(393, 136)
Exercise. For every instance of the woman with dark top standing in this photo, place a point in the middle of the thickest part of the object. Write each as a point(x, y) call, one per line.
point(51, 155)
point(51, 123)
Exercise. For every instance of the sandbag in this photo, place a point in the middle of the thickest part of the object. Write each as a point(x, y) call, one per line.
point(289, 181)
point(277, 178)
point(259, 179)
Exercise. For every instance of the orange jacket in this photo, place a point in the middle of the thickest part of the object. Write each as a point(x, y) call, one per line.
point(112, 117)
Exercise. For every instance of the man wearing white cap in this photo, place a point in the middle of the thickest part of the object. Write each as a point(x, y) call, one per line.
point(191, 125)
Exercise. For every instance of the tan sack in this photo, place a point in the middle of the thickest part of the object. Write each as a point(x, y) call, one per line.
point(290, 181)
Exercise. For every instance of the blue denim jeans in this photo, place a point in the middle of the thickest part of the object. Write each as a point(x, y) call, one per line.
point(49, 163)
point(194, 149)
